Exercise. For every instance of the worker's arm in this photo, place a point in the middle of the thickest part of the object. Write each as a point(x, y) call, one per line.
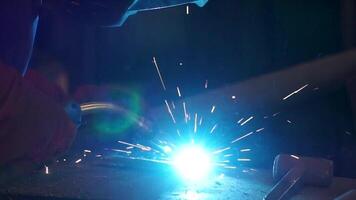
point(33, 126)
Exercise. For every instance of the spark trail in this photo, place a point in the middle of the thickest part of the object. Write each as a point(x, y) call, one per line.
point(159, 73)
point(295, 92)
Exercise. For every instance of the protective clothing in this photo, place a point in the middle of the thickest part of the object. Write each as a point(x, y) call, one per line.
point(33, 124)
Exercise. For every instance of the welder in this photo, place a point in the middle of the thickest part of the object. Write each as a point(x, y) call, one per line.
point(36, 120)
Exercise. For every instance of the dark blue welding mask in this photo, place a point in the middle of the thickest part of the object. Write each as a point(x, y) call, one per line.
point(113, 12)
point(19, 18)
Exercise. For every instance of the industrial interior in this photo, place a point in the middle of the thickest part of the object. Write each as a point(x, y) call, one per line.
point(178, 99)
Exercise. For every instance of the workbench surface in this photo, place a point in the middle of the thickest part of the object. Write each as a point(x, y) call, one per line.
point(87, 180)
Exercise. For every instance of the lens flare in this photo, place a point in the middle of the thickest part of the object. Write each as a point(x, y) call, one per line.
point(193, 163)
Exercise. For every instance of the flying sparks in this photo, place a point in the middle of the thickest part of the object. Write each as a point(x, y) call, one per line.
point(221, 150)
point(213, 129)
point(240, 120)
point(242, 137)
point(295, 92)
point(201, 121)
point(139, 146)
point(247, 120)
point(46, 169)
point(178, 91)
point(194, 149)
point(195, 122)
point(243, 159)
point(212, 109)
point(170, 111)
point(185, 113)
point(121, 151)
point(159, 73)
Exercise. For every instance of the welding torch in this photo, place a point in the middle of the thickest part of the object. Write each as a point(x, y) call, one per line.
point(75, 112)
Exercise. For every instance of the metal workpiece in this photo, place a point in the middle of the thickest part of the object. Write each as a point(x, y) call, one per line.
point(292, 172)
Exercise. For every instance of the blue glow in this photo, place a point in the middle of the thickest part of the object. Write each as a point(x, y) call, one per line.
point(193, 163)
point(167, 149)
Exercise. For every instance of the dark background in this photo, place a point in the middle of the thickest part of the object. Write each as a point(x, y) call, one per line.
point(226, 42)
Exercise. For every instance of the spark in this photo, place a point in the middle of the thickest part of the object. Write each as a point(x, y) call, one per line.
point(195, 122)
point(245, 150)
point(87, 151)
point(228, 155)
point(240, 120)
point(296, 157)
point(295, 92)
point(206, 84)
point(64, 159)
point(275, 114)
point(173, 105)
point(259, 130)
point(185, 113)
point(221, 150)
point(213, 129)
point(139, 146)
point(178, 91)
point(121, 151)
point(144, 148)
point(289, 121)
point(129, 147)
point(187, 10)
point(98, 155)
point(170, 111)
point(46, 169)
point(159, 73)
point(233, 97)
point(243, 159)
point(242, 137)
point(212, 109)
point(178, 132)
point(201, 121)
point(78, 161)
point(247, 120)
point(230, 167)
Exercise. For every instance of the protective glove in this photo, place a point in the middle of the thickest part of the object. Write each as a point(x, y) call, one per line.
point(34, 126)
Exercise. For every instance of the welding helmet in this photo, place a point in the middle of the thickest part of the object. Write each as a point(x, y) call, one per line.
point(112, 12)
point(19, 19)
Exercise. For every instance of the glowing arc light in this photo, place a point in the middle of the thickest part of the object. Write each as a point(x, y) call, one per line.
point(193, 163)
